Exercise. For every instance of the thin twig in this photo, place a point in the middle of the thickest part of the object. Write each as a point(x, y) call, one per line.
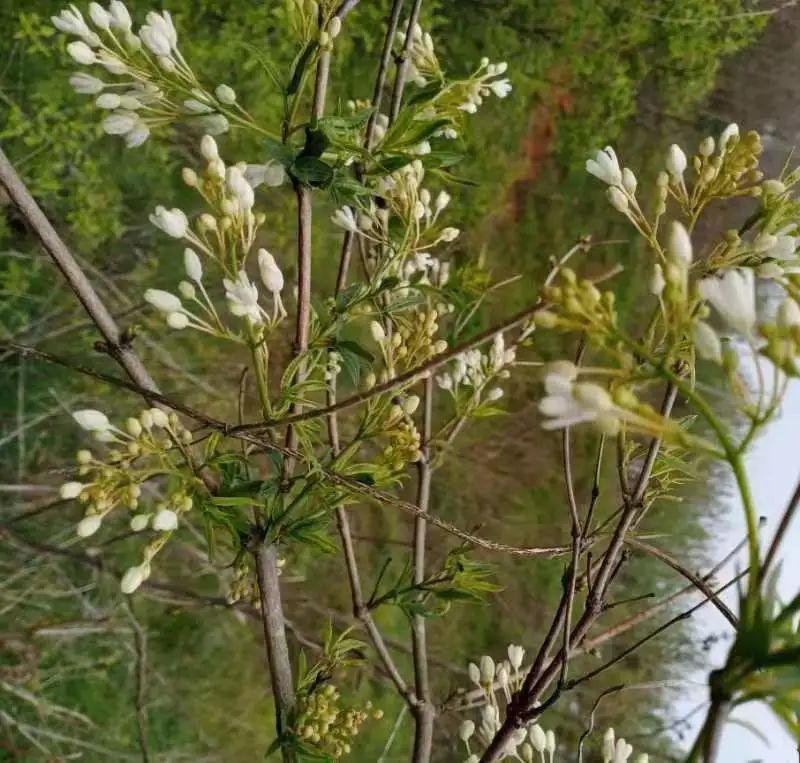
point(783, 526)
point(402, 64)
point(140, 648)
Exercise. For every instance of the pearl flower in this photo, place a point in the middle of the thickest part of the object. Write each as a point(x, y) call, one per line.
point(70, 490)
point(516, 654)
point(271, 275)
point(676, 162)
point(91, 420)
point(81, 53)
point(733, 295)
point(731, 131)
point(86, 84)
point(604, 165)
point(271, 174)
point(345, 218)
point(172, 221)
point(134, 577)
point(70, 21)
point(568, 403)
point(242, 296)
point(239, 188)
point(120, 18)
point(192, 264)
point(706, 342)
point(679, 244)
point(165, 520)
point(89, 525)
point(164, 301)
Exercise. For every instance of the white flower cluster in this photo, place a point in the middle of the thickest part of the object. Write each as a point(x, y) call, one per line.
point(117, 480)
point(569, 402)
point(154, 86)
point(423, 64)
point(505, 677)
point(487, 80)
point(619, 751)
point(476, 370)
point(230, 229)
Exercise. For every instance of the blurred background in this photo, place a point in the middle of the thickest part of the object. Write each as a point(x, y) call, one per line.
point(640, 74)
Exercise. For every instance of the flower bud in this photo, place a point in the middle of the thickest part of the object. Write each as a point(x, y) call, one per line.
point(225, 94)
point(679, 244)
point(89, 525)
point(91, 420)
point(378, 334)
point(70, 490)
point(165, 520)
point(676, 162)
point(139, 522)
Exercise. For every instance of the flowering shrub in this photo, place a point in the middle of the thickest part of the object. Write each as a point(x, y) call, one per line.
point(397, 336)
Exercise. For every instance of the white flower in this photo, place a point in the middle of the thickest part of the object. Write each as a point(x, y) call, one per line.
point(378, 334)
point(609, 746)
point(487, 669)
point(134, 577)
point(81, 53)
point(622, 752)
point(449, 234)
point(155, 40)
point(163, 23)
point(240, 188)
point(642, 758)
point(225, 94)
point(164, 301)
point(707, 342)
point(466, 730)
point(516, 654)
point(120, 18)
point(500, 87)
point(120, 122)
point(733, 295)
point(165, 520)
point(192, 264)
point(107, 101)
point(788, 313)
point(538, 737)
point(618, 199)
point(111, 62)
point(568, 403)
point(138, 135)
point(70, 490)
point(70, 21)
point(629, 182)
point(657, 282)
point(215, 124)
point(177, 321)
point(676, 162)
point(494, 394)
point(100, 16)
point(139, 522)
point(89, 525)
point(172, 221)
point(679, 244)
point(551, 743)
point(474, 673)
point(271, 174)
point(91, 420)
point(242, 296)
point(208, 148)
point(197, 107)
point(271, 275)
point(86, 84)
point(605, 166)
point(731, 131)
point(159, 418)
point(345, 218)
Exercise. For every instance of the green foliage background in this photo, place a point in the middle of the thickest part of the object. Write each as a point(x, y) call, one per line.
point(582, 70)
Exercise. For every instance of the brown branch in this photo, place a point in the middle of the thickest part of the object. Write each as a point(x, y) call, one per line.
point(352, 485)
point(424, 711)
point(115, 345)
point(783, 526)
point(696, 580)
point(402, 65)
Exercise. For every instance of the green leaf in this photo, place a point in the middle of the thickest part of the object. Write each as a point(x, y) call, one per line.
point(279, 152)
point(311, 171)
point(300, 67)
point(316, 142)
